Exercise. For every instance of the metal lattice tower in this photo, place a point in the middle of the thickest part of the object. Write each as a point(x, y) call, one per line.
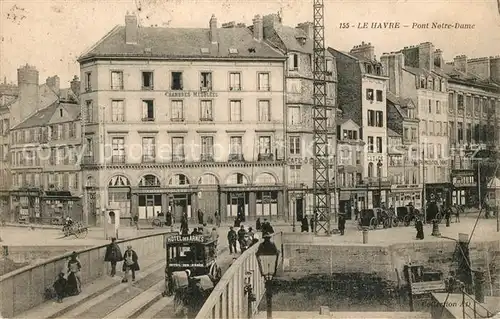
point(321, 166)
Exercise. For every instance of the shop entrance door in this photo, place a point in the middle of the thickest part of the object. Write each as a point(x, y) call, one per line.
point(299, 209)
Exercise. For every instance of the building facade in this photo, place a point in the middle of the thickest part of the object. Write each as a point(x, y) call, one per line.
point(362, 86)
point(403, 171)
point(297, 45)
point(416, 73)
point(474, 121)
point(350, 159)
point(195, 124)
point(44, 150)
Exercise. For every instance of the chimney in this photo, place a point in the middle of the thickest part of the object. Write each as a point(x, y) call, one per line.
point(495, 68)
point(75, 85)
point(27, 81)
point(213, 29)
point(54, 83)
point(480, 67)
point(426, 56)
point(393, 64)
point(258, 28)
point(460, 63)
point(438, 58)
point(271, 21)
point(131, 29)
point(364, 50)
point(308, 28)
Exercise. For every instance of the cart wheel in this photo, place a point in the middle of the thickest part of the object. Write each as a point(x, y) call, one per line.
point(395, 222)
point(386, 222)
point(373, 223)
point(407, 220)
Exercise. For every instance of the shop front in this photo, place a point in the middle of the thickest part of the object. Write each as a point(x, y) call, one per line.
point(26, 205)
point(252, 202)
point(464, 191)
point(438, 191)
point(402, 195)
point(57, 205)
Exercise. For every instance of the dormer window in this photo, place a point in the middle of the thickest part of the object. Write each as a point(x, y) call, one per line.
point(301, 39)
point(233, 51)
point(422, 83)
point(205, 51)
point(368, 68)
point(60, 112)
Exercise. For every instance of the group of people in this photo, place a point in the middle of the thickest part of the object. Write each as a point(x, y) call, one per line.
point(245, 238)
point(69, 283)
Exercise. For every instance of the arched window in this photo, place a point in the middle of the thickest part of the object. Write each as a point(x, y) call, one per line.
point(237, 179)
point(265, 178)
point(179, 179)
point(119, 180)
point(370, 169)
point(149, 181)
point(208, 179)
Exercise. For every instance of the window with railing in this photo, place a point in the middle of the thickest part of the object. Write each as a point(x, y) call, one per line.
point(235, 110)
point(265, 152)
point(206, 110)
point(177, 110)
point(117, 111)
point(148, 149)
point(236, 148)
point(234, 81)
point(148, 110)
point(178, 149)
point(264, 110)
point(207, 148)
point(147, 80)
point(118, 150)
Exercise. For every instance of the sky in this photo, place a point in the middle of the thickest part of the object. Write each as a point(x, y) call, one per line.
point(52, 34)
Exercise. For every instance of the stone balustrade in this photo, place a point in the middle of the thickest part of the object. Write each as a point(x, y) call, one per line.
point(23, 289)
point(228, 299)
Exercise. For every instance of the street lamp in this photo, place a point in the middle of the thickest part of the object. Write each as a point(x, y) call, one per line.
point(294, 208)
point(379, 167)
point(267, 257)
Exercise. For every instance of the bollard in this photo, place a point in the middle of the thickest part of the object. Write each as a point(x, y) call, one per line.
point(435, 228)
point(365, 236)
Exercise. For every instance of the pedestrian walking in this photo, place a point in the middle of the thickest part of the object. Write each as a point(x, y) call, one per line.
point(311, 221)
point(356, 213)
point(214, 235)
point(341, 224)
point(457, 214)
point(217, 218)
point(200, 216)
point(305, 225)
point(231, 239)
point(241, 237)
point(258, 224)
point(60, 287)
point(168, 218)
point(74, 283)
point(130, 263)
point(447, 216)
point(420, 228)
point(113, 255)
point(184, 224)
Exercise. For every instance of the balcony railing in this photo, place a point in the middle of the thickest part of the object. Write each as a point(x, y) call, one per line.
point(265, 157)
point(206, 119)
point(236, 158)
point(147, 88)
point(148, 119)
point(148, 158)
point(118, 159)
point(178, 158)
point(207, 157)
point(177, 119)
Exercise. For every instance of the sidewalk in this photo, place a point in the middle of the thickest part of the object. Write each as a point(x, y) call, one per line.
point(152, 264)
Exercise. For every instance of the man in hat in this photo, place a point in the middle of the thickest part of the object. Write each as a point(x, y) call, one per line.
point(113, 255)
point(130, 263)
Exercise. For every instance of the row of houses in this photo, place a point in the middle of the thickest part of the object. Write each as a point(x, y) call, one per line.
point(220, 118)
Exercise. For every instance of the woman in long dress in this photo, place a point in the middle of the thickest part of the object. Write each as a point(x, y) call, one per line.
point(74, 285)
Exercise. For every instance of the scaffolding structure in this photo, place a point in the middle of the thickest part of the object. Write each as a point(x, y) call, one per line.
point(321, 165)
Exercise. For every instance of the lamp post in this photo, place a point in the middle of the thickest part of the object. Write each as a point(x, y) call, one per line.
point(379, 168)
point(424, 208)
point(294, 208)
point(267, 257)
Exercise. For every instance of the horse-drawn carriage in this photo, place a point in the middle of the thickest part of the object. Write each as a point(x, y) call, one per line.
point(407, 214)
point(191, 266)
point(373, 218)
point(77, 229)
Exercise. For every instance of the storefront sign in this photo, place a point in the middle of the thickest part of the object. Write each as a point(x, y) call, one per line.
point(189, 238)
point(207, 94)
point(405, 186)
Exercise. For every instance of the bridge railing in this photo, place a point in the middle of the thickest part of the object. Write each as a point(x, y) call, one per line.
point(228, 299)
point(24, 289)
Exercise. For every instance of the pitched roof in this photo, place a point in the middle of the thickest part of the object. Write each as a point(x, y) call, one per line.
point(471, 78)
point(391, 133)
point(182, 43)
point(289, 36)
point(43, 116)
